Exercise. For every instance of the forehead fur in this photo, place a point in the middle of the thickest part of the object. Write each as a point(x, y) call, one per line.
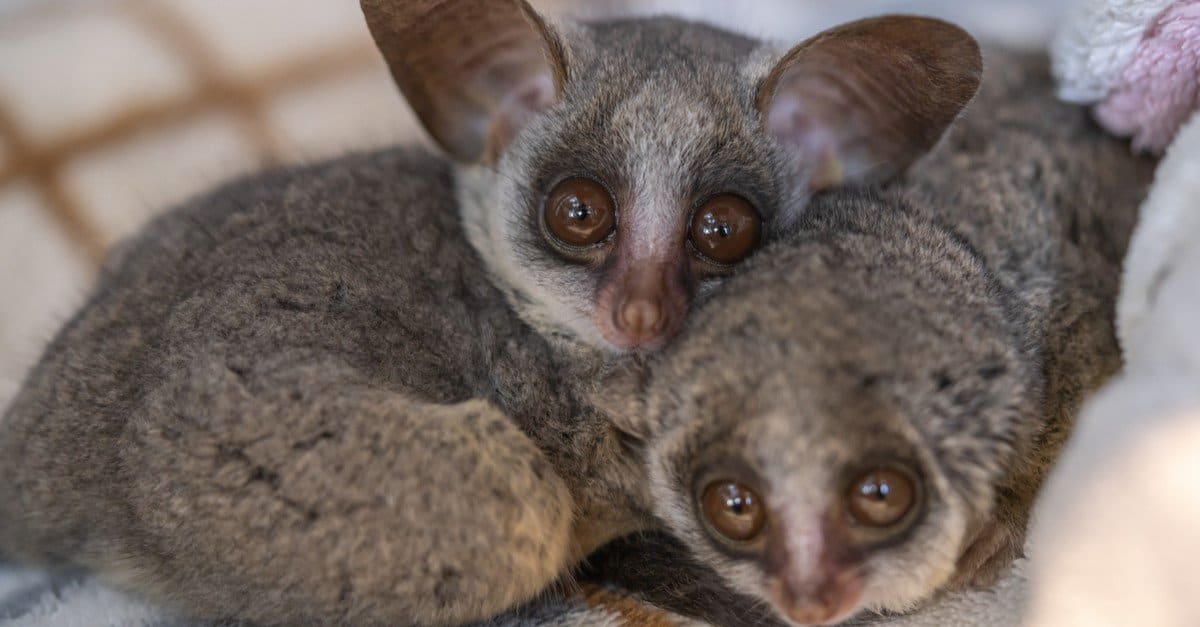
point(868, 320)
point(869, 335)
point(666, 44)
point(661, 106)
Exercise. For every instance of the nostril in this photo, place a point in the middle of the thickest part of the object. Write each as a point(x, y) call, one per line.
point(829, 602)
point(809, 616)
point(640, 317)
point(807, 604)
point(815, 612)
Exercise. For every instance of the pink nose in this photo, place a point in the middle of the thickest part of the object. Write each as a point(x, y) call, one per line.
point(640, 318)
point(821, 591)
point(818, 610)
point(829, 601)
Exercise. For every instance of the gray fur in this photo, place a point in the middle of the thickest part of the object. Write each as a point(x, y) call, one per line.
point(668, 114)
point(664, 116)
point(663, 111)
point(953, 322)
point(301, 400)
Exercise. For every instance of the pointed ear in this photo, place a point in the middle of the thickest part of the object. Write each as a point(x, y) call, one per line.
point(860, 102)
point(475, 71)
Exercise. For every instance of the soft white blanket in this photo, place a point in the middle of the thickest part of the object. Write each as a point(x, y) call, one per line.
point(1117, 529)
point(1118, 526)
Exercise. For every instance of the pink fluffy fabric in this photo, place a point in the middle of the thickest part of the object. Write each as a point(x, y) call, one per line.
point(1160, 88)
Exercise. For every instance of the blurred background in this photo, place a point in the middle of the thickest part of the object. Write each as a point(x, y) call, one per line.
point(112, 110)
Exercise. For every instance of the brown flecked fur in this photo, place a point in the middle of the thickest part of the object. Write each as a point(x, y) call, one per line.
point(952, 323)
point(631, 611)
point(300, 400)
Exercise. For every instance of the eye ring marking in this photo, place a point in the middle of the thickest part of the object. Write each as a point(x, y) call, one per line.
point(725, 229)
point(881, 497)
point(733, 510)
point(579, 212)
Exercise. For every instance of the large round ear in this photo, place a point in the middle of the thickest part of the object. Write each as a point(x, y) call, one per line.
point(475, 71)
point(860, 102)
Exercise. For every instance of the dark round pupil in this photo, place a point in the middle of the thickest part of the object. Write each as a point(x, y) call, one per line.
point(876, 490)
point(733, 510)
point(579, 210)
point(712, 227)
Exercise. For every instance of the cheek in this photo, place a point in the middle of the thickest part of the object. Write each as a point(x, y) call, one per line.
point(554, 297)
point(910, 573)
point(703, 290)
point(578, 289)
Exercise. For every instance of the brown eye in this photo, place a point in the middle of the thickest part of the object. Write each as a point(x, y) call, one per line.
point(580, 212)
point(734, 510)
point(725, 229)
point(881, 498)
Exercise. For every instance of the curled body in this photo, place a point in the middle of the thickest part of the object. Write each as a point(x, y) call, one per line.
point(301, 399)
point(863, 417)
point(354, 393)
point(298, 400)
